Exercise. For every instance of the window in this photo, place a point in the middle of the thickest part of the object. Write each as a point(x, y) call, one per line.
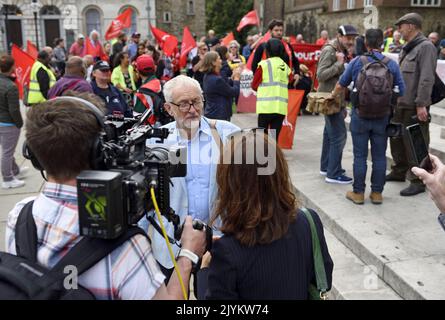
point(425, 3)
point(167, 17)
point(92, 18)
point(367, 3)
point(134, 18)
point(50, 11)
point(351, 4)
point(190, 8)
point(336, 5)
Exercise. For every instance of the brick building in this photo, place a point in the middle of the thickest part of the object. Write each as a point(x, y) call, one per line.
point(67, 18)
point(309, 18)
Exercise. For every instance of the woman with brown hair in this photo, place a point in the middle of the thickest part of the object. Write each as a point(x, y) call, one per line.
point(218, 92)
point(266, 250)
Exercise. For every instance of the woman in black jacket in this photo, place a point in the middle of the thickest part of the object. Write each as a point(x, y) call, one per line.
point(266, 250)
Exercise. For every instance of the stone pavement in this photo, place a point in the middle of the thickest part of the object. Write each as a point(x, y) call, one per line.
point(399, 241)
point(392, 251)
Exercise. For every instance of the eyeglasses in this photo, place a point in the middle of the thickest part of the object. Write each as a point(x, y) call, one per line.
point(185, 106)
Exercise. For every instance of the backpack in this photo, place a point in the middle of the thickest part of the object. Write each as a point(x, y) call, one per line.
point(373, 89)
point(23, 278)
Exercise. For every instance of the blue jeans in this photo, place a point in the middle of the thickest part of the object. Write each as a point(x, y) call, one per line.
point(363, 131)
point(334, 140)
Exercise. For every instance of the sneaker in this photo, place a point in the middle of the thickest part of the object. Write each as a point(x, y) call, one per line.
point(22, 173)
point(13, 184)
point(325, 173)
point(357, 198)
point(340, 180)
point(376, 198)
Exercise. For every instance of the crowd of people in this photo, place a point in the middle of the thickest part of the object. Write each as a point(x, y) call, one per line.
point(124, 79)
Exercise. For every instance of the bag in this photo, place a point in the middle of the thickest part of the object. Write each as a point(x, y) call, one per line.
point(373, 90)
point(23, 278)
point(320, 291)
point(318, 103)
point(438, 93)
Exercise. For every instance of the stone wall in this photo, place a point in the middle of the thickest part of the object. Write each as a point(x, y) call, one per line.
point(181, 17)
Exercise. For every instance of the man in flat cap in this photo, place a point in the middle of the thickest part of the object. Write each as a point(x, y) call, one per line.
point(418, 61)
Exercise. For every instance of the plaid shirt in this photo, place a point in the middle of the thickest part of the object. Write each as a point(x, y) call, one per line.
point(129, 272)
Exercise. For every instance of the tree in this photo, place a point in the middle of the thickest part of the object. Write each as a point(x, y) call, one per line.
point(224, 17)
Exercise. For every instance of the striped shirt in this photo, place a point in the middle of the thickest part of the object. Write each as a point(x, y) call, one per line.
point(130, 272)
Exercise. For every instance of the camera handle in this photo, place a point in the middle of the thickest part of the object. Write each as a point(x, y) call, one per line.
point(171, 217)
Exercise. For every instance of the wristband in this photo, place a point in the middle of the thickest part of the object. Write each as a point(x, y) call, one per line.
point(190, 255)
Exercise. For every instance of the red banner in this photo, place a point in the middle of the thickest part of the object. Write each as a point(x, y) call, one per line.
point(31, 49)
point(121, 22)
point(23, 66)
point(187, 45)
point(286, 138)
point(309, 54)
point(227, 39)
point(167, 42)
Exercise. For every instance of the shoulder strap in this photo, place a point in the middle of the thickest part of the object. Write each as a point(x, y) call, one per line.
point(320, 272)
point(215, 134)
point(26, 234)
point(89, 251)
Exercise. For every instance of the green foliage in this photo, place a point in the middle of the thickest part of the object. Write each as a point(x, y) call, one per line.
point(224, 17)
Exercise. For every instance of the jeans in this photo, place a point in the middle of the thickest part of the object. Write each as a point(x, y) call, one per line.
point(363, 131)
point(9, 136)
point(334, 140)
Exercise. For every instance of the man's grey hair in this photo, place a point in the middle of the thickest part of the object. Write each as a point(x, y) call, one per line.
point(179, 82)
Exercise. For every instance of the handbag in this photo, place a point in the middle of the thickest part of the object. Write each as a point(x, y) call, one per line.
point(318, 102)
point(320, 291)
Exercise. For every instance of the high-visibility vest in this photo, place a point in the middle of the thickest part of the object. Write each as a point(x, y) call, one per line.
point(272, 94)
point(389, 41)
point(35, 95)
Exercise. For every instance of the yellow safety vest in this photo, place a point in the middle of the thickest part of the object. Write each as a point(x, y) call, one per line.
point(390, 41)
point(35, 95)
point(272, 95)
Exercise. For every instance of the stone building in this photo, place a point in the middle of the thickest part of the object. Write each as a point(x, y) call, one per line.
point(309, 18)
point(67, 18)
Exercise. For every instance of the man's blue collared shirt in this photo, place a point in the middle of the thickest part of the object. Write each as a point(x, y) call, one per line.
point(353, 70)
point(198, 172)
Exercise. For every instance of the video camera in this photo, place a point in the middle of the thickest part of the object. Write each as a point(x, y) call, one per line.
point(116, 193)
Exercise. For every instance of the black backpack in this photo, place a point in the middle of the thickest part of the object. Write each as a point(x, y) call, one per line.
point(23, 278)
point(373, 89)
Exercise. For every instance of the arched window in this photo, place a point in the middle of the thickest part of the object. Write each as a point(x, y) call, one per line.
point(11, 24)
point(10, 9)
point(92, 18)
point(191, 8)
point(134, 18)
point(50, 11)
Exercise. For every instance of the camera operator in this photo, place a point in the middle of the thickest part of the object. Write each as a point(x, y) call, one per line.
point(60, 134)
point(194, 194)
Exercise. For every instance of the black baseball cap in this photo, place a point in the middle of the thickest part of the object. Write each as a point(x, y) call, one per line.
point(347, 30)
point(102, 65)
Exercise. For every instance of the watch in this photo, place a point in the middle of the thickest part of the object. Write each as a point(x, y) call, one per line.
point(190, 255)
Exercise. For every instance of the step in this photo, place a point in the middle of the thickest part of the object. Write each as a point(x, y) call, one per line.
point(401, 238)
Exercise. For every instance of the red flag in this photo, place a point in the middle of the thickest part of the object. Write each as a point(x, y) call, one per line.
point(89, 49)
point(121, 22)
point(23, 66)
point(286, 138)
point(266, 38)
point(31, 49)
point(188, 43)
point(226, 40)
point(249, 19)
point(167, 42)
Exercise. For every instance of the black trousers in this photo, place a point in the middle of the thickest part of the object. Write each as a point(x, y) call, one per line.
point(273, 121)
